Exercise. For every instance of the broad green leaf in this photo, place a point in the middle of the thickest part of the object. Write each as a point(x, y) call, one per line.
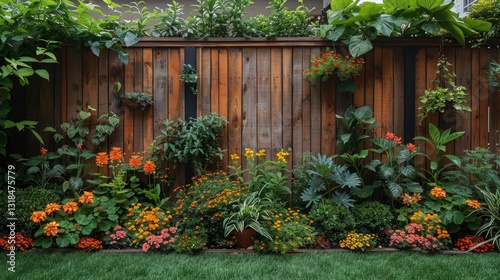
point(477, 24)
point(384, 25)
point(363, 192)
point(434, 165)
point(131, 39)
point(455, 31)
point(432, 28)
point(395, 189)
point(456, 160)
point(430, 5)
point(84, 115)
point(359, 46)
point(340, 4)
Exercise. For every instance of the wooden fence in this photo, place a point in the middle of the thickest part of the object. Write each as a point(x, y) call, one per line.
point(259, 86)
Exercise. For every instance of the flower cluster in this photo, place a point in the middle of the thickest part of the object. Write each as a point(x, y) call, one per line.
point(89, 244)
point(438, 192)
point(144, 221)
point(413, 236)
point(469, 241)
point(358, 241)
point(22, 243)
point(116, 160)
point(163, 241)
point(190, 241)
point(290, 230)
point(431, 224)
point(410, 199)
point(117, 238)
point(392, 137)
point(473, 203)
point(330, 63)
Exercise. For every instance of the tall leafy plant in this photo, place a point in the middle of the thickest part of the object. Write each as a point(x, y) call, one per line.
point(357, 25)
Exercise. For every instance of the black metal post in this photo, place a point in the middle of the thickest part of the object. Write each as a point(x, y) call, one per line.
point(190, 101)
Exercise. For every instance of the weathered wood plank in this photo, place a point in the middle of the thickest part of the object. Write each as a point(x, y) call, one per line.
point(249, 133)
point(160, 104)
point(223, 99)
point(398, 106)
point(147, 87)
point(264, 100)
point(306, 104)
point(298, 118)
point(484, 98)
point(463, 68)
point(235, 118)
point(315, 89)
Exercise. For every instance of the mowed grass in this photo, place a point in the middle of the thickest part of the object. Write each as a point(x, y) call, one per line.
point(342, 265)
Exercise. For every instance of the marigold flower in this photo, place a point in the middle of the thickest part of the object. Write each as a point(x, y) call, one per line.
point(149, 167)
point(38, 216)
point(410, 199)
point(51, 208)
point(261, 153)
point(438, 192)
point(282, 155)
point(235, 157)
point(135, 161)
point(249, 153)
point(473, 203)
point(51, 229)
point(43, 151)
point(116, 154)
point(70, 207)
point(86, 198)
point(101, 158)
point(411, 147)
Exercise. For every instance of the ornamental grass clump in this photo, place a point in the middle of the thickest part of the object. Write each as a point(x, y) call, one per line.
point(358, 241)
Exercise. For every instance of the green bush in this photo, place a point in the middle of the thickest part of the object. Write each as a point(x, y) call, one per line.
point(372, 217)
point(331, 220)
point(27, 201)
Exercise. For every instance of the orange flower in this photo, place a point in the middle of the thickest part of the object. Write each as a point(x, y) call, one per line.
point(51, 229)
point(438, 192)
point(101, 158)
point(135, 161)
point(149, 167)
point(38, 216)
point(87, 197)
point(411, 147)
point(70, 207)
point(43, 151)
point(79, 146)
point(391, 136)
point(116, 154)
point(473, 203)
point(51, 208)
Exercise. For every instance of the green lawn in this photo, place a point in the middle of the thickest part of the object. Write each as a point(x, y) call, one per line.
point(401, 265)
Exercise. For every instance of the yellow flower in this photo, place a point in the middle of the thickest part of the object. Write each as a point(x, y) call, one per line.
point(473, 203)
point(261, 153)
point(282, 155)
point(249, 153)
point(235, 157)
point(438, 192)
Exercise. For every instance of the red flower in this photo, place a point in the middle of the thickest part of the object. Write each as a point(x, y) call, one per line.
point(411, 147)
point(43, 151)
point(149, 167)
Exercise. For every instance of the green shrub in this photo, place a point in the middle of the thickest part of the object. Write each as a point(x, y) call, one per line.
point(27, 201)
point(372, 217)
point(331, 220)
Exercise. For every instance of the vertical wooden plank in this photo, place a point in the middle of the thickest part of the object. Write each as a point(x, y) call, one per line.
point(328, 119)
point(213, 94)
point(235, 117)
point(276, 99)
point(369, 97)
point(48, 97)
point(484, 99)
point(116, 74)
point(398, 93)
point(223, 101)
point(495, 111)
point(287, 101)
point(475, 99)
point(249, 100)
point(160, 104)
point(298, 78)
point(431, 67)
point(315, 89)
point(378, 95)
point(387, 106)
point(74, 86)
point(463, 68)
point(91, 90)
point(205, 66)
point(420, 86)
point(147, 87)
point(128, 113)
point(306, 103)
point(264, 100)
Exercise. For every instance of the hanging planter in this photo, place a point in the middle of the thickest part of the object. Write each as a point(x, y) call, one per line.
point(331, 63)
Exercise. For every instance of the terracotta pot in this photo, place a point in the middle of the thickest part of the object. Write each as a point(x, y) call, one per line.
point(244, 239)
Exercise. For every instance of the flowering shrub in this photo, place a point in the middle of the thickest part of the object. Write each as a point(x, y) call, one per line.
point(331, 220)
point(22, 243)
point(266, 176)
point(414, 236)
point(469, 241)
point(290, 230)
point(190, 241)
point(162, 242)
point(89, 244)
point(117, 238)
point(358, 241)
point(143, 221)
point(66, 223)
point(331, 63)
point(432, 225)
point(206, 203)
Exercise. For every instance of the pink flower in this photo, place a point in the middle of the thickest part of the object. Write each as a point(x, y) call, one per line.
point(145, 247)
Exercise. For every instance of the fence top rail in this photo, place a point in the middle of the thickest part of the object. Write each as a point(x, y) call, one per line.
point(295, 41)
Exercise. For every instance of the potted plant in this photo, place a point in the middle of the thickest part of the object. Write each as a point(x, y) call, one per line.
point(244, 223)
point(135, 99)
point(444, 92)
